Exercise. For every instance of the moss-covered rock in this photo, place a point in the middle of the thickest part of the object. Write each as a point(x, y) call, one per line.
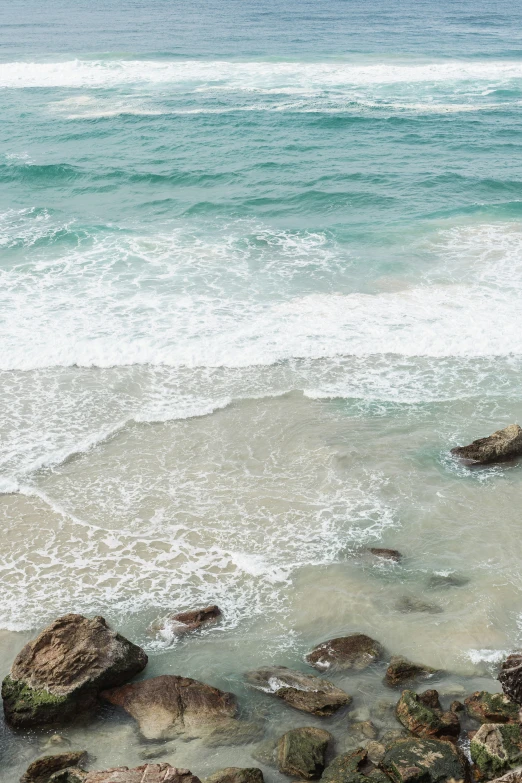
point(236, 775)
point(422, 715)
point(41, 770)
point(496, 748)
point(26, 706)
point(415, 760)
point(491, 708)
point(302, 752)
point(347, 768)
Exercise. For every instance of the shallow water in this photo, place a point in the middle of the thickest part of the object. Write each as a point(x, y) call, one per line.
point(259, 272)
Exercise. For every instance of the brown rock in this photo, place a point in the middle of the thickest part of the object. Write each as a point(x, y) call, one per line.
point(148, 773)
point(502, 445)
point(169, 705)
point(386, 554)
point(62, 671)
point(302, 691)
point(41, 770)
point(513, 776)
point(492, 708)
point(357, 651)
point(402, 670)
point(184, 622)
point(236, 775)
point(510, 677)
point(423, 716)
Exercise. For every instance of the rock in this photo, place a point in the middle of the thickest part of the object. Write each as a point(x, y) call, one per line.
point(353, 767)
point(510, 677)
point(375, 751)
point(302, 691)
point(266, 753)
point(148, 773)
point(457, 706)
point(41, 770)
point(496, 748)
point(69, 775)
point(491, 708)
point(386, 554)
point(402, 670)
point(422, 715)
point(357, 651)
point(169, 705)
point(415, 760)
point(236, 732)
point(62, 671)
point(444, 581)
point(363, 730)
point(407, 604)
point(302, 752)
point(502, 445)
point(184, 622)
point(392, 735)
point(236, 775)
point(513, 776)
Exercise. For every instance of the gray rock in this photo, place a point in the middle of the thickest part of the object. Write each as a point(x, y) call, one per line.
point(408, 604)
point(356, 651)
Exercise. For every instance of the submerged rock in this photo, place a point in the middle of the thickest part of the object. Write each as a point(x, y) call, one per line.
point(408, 604)
point(40, 771)
point(424, 761)
point(491, 708)
point(386, 554)
point(422, 715)
point(302, 691)
point(402, 670)
point(510, 677)
point(169, 705)
point(302, 752)
point(184, 622)
point(237, 732)
point(236, 775)
point(445, 581)
point(357, 651)
point(496, 748)
point(148, 773)
point(62, 671)
point(502, 445)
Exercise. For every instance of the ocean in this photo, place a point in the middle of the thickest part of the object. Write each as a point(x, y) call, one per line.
point(260, 270)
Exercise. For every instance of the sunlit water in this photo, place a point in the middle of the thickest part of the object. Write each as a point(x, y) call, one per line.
point(260, 269)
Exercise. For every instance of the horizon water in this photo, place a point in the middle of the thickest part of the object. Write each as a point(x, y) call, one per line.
point(260, 270)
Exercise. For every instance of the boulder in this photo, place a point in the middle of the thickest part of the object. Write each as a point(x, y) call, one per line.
point(422, 715)
point(302, 691)
point(510, 677)
point(386, 554)
point(184, 622)
point(502, 445)
point(40, 771)
point(357, 651)
point(495, 748)
point(414, 760)
point(148, 773)
point(169, 705)
point(236, 775)
point(302, 752)
point(353, 767)
point(402, 670)
point(491, 708)
point(62, 671)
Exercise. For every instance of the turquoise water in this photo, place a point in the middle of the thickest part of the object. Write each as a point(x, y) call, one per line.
point(260, 269)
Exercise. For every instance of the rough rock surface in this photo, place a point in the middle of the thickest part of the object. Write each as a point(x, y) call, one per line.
point(236, 775)
point(422, 715)
point(503, 444)
point(41, 770)
point(496, 748)
point(409, 604)
point(62, 671)
point(169, 705)
point(491, 708)
point(354, 767)
point(347, 652)
point(303, 691)
point(184, 622)
point(69, 775)
point(237, 732)
point(148, 773)
point(386, 554)
point(424, 761)
point(402, 670)
point(513, 776)
point(302, 752)
point(510, 677)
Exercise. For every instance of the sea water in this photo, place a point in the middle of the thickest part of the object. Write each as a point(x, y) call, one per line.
point(260, 269)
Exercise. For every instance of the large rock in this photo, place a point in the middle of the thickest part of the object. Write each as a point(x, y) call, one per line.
point(353, 767)
point(492, 708)
point(62, 671)
point(502, 445)
point(169, 705)
point(302, 752)
point(184, 622)
point(148, 773)
point(496, 748)
point(402, 670)
point(40, 771)
point(415, 760)
point(236, 775)
point(303, 691)
point(510, 677)
point(347, 652)
point(422, 715)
